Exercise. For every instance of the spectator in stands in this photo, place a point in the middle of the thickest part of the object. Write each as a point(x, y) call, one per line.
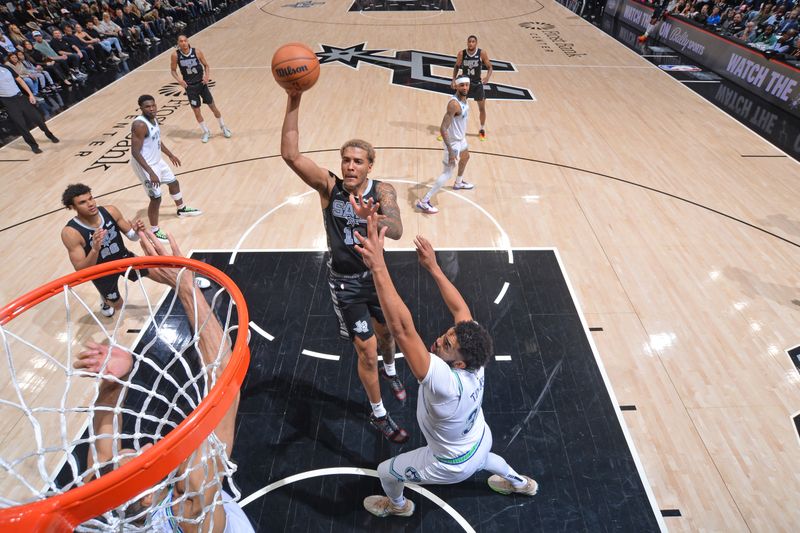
point(16, 35)
point(6, 43)
point(749, 33)
point(14, 64)
point(106, 44)
point(105, 41)
point(68, 62)
point(56, 69)
point(75, 57)
point(776, 16)
point(43, 78)
point(702, 16)
point(733, 25)
point(715, 18)
point(788, 23)
point(784, 45)
point(93, 57)
point(766, 39)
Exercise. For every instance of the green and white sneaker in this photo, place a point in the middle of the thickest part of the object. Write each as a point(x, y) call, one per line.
point(226, 132)
point(206, 136)
point(161, 236)
point(187, 211)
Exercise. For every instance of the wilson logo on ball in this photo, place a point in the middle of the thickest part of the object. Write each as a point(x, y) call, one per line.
point(289, 71)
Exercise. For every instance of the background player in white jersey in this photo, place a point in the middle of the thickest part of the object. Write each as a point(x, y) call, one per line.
point(450, 394)
point(454, 140)
point(150, 167)
point(194, 78)
point(201, 485)
point(470, 63)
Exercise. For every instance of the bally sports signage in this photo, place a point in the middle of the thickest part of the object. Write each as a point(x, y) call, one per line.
point(773, 81)
point(414, 69)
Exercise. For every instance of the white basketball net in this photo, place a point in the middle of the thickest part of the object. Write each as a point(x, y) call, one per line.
point(47, 406)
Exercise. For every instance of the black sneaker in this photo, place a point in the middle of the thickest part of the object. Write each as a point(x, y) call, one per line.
point(36, 150)
point(52, 137)
point(398, 389)
point(389, 428)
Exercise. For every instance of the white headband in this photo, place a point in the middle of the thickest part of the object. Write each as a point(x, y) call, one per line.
point(462, 79)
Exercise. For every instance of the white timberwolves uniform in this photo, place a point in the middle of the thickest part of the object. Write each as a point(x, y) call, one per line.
point(162, 521)
point(457, 131)
point(151, 152)
point(451, 418)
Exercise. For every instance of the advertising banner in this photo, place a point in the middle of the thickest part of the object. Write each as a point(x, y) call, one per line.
point(773, 81)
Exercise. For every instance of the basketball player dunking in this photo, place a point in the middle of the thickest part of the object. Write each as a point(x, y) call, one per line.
point(352, 289)
point(194, 78)
point(454, 138)
point(470, 63)
point(451, 386)
point(150, 167)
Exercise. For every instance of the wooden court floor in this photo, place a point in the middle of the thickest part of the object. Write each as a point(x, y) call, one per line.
point(683, 251)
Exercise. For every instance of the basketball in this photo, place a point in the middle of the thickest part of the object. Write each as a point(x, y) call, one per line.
point(295, 66)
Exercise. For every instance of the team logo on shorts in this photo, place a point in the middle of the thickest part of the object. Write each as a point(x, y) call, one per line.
point(361, 327)
point(412, 474)
point(414, 68)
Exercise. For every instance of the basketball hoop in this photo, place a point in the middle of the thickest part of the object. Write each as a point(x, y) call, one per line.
point(89, 496)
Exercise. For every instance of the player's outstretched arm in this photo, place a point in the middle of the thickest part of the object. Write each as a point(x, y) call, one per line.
point(452, 298)
point(398, 317)
point(315, 176)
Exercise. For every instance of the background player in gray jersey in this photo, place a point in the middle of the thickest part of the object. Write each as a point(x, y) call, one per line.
point(450, 393)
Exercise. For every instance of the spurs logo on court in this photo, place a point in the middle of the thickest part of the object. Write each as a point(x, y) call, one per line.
point(361, 326)
point(413, 68)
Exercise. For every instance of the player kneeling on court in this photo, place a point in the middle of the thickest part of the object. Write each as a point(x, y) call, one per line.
point(451, 388)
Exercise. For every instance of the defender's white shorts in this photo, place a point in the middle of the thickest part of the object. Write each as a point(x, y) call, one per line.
point(421, 466)
point(461, 146)
point(162, 170)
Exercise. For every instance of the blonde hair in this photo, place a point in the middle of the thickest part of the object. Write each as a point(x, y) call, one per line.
point(358, 143)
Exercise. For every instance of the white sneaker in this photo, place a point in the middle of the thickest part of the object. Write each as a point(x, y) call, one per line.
point(106, 310)
point(226, 132)
point(382, 507)
point(206, 136)
point(426, 207)
point(123, 55)
point(503, 486)
point(463, 185)
point(202, 283)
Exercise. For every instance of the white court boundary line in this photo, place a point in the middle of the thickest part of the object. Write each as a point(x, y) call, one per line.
point(344, 470)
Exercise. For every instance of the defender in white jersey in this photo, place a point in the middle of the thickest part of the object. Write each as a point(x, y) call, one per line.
point(454, 140)
point(451, 389)
point(196, 501)
point(150, 167)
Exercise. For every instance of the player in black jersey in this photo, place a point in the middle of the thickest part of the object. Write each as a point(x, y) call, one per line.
point(352, 289)
point(470, 62)
point(94, 236)
point(194, 78)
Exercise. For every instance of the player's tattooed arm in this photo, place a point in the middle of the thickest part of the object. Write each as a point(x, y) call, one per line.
point(387, 197)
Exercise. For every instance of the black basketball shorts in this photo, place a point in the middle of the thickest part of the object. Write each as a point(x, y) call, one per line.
point(199, 94)
point(108, 286)
point(355, 302)
point(476, 92)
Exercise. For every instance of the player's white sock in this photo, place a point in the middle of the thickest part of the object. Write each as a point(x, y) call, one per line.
point(154, 228)
point(399, 502)
point(459, 179)
point(390, 369)
point(483, 127)
point(378, 409)
point(204, 127)
point(221, 122)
